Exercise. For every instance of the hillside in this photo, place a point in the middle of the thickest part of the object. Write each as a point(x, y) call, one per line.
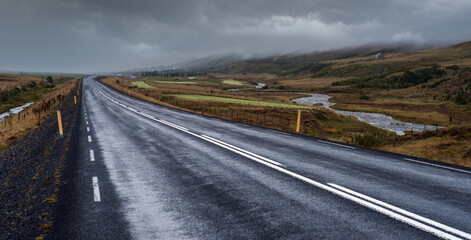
point(283, 65)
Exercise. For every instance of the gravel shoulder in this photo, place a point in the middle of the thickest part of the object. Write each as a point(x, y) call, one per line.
point(31, 176)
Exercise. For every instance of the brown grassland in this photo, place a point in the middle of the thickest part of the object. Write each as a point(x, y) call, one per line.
point(46, 101)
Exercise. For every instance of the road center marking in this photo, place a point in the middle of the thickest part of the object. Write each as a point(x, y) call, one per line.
point(92, 156)
point(96, 189)
point(88, 129)
point(89, 138)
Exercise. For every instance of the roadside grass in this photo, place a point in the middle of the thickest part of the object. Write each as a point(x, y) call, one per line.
point(232, 82)
point(175, 82)
point(202, 79)
point(451, 145)
point(18, 125)
point(141, 84)
point(240, 101)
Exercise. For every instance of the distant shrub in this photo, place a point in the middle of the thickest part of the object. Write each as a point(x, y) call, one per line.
point(461, 97)
point(3, 97)
point(281, 87)
point(368, 140)
point(453, 67)
point(364, 97)
point(13, 92)
point(49, 79)
point(265, 87)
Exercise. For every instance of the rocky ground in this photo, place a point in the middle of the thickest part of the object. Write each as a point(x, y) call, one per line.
point(31, 171)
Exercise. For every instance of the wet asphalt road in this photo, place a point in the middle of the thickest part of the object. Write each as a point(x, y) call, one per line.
point(160, 173)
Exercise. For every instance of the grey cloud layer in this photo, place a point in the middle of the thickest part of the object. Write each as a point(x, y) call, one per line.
point(99, 35)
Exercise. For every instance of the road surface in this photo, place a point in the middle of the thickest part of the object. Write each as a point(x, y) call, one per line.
point(144, 171)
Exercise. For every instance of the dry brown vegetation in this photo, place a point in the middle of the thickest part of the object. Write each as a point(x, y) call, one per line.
point(17, 125)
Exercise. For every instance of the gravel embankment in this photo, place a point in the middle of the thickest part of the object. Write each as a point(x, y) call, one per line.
point(30, 171)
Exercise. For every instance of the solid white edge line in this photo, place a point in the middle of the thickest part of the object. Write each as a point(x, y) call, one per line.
point(92, 156)
point(404, 212)
point(245, 151)
point(336, 144)
point(436, 165)
point(96, 189)
point(89, 138)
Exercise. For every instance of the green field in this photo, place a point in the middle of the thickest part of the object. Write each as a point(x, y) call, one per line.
point(241, 101)
point(175, 82)
point(232, 82)
point(141, 84)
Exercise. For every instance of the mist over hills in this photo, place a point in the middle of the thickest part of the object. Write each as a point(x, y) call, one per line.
point(240, 63)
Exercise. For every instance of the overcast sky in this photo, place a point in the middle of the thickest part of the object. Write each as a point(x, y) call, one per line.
point(108, 35)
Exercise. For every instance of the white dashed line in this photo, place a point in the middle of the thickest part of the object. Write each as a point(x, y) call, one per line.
point(96, 189)
point(88, 129)
point(89, 138)
point(436, 165)
point(92, 156)
point(86, 122)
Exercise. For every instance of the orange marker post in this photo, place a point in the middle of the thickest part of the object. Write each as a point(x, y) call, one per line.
point(59, 121)
point(298, 123)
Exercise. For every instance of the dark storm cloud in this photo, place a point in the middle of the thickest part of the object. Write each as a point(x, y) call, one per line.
point(103, 35)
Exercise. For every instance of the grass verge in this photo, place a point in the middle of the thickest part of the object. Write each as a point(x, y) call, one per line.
point(141, 84)
point(232, 82)
point(239, 101)
point(175, 82)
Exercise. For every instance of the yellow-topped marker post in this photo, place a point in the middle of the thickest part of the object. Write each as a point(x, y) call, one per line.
point(298, 123)
point(59, 121)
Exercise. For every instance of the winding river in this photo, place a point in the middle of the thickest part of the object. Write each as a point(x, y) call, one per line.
point(375, 119)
